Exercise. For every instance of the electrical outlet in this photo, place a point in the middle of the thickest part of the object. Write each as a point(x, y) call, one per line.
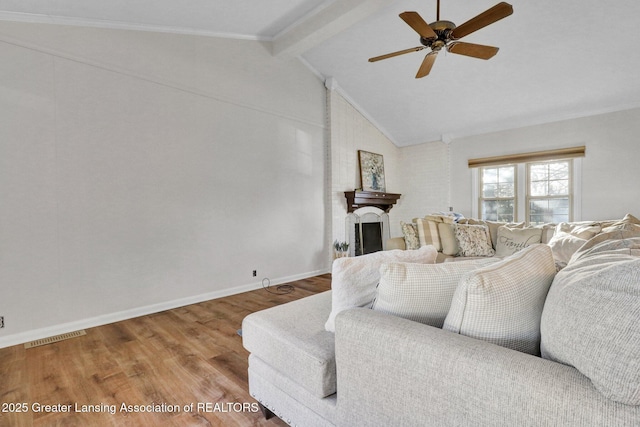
point(255, 273)
point(1, 321)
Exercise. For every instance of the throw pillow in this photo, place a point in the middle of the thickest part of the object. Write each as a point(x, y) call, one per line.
point(548, 230)
point(448, 239)
point(421, 292)
point(563, 246)
point(354, 279)
point(590, 319)
point(473, 240)
point(512, 240)
point(583, 230)
point(502, 303)
point(410, 232)
point(629, 222)
point(428, 233)
point(494, 226)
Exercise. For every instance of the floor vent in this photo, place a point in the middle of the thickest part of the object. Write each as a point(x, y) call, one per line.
point(57, 338)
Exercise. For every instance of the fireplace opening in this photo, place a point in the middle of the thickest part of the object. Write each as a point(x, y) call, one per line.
point(368, 238)
point(367, 230)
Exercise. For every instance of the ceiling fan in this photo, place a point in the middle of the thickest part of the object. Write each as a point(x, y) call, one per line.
point(445, 34)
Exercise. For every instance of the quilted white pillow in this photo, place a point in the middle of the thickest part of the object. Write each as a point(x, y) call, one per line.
point(421, 292)
point(502, 303)
point(354, 279)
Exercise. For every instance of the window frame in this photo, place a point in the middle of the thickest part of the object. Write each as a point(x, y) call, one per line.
point(522, 180)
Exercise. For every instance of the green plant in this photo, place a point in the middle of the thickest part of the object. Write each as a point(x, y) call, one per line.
point(340, 246)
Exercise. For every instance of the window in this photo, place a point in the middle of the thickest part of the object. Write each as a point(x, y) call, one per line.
point(549, 192)
point(498, 190)
point(534, 192)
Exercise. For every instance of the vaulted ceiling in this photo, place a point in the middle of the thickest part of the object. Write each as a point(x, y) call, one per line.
point(557, 59)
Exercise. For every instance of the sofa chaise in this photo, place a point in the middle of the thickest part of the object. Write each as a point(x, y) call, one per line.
point(577, 365)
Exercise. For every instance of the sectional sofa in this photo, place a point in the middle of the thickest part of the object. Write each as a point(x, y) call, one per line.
point(483, 342)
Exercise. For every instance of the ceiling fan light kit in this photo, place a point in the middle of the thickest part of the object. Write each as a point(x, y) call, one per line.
point(445, 34)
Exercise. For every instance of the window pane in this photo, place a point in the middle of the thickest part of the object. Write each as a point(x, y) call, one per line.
point(490, 210)
point(538, 172)
point(506, 190)
point(559, 187)
point(505, 210)
point(498, 210)
point(489, 190)
point(490, 175)
point(498, 183)
point(506, 174)
point(549, 179)
point(558, 170)
point(548, 210)
point(538, 188)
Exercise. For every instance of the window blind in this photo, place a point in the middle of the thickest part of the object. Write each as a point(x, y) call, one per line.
point(536, 156)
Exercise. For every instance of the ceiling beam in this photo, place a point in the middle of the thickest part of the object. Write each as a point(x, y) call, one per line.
point(320, 26)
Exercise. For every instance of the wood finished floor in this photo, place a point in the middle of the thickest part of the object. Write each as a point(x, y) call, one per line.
point(186, 355)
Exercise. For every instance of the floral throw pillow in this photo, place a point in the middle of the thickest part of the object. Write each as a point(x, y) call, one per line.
point(411, 239)
point(473, 240)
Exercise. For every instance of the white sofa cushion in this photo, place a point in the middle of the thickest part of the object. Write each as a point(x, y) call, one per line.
point(292, 340)
point(421, 292)
point(354, 279)
point(590, 319)
point(502, 303)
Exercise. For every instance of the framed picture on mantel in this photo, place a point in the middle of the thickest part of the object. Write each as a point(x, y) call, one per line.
point(371, 171)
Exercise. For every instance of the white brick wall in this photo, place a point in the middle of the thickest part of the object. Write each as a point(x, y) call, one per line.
point(420, 173)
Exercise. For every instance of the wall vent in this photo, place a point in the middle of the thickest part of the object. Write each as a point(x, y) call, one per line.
point(57, 338)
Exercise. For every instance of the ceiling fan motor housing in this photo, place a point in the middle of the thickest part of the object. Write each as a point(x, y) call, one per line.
point(443, 30)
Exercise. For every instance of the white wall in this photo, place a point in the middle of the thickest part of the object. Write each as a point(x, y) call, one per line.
point(141, 171)
point(610, 172)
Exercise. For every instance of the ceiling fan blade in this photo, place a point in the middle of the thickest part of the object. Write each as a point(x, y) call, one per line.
point(415, 21)
point(489, 16)
point(400, 52)
point(470, 49)
point(427, 63)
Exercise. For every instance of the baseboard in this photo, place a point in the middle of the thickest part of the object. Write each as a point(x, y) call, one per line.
point(92, 322)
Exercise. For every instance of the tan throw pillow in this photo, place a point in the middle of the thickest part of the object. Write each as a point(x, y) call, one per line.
point(354, 279)
point(428, 233)
point(502, 303)
point(421, 292)
point(410, 232)
point(473, 240)
point(448, 239)
point(512, 240)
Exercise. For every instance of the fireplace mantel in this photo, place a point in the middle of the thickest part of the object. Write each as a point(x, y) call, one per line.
point(360, 199)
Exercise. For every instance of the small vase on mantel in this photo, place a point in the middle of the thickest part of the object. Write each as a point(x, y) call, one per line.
point(340, 249)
